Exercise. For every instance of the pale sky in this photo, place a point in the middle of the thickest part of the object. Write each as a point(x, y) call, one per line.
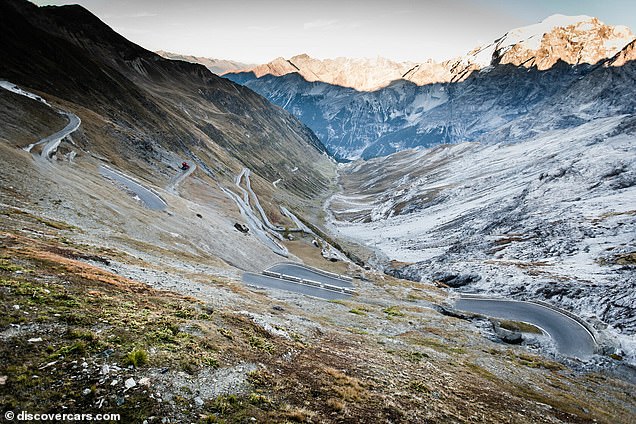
point(257, 31)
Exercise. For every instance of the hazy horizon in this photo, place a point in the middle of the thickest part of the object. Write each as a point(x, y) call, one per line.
point(403, 30)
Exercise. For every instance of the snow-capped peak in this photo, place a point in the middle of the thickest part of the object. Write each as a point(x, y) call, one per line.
point(572, 39)
point(575, 40)
point(531, 35)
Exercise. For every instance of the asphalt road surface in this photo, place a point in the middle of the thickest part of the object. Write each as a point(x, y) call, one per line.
point(299, 224)
point(299, 271)
point(571, 338)
point(276, 283)
point(178, 179)
point(52, 142)
point(150, 199)
point(255, 225)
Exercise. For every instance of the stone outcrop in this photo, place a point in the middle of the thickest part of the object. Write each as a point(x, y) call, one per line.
point(574, 40)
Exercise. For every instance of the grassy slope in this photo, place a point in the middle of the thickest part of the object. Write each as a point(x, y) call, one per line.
point(437, 371)
point(23, 118)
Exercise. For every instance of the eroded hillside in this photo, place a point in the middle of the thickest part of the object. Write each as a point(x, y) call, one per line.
point(120, 267)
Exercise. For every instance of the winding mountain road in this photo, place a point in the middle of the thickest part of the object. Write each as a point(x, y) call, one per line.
point(299, 278)
point(268, 282)
point(52, 142)
point(178, 179)
point(570, 336)
point(257, 204)
point(151, 199)
point(300, 227)
point(260, 229)
point(306, 273)
point(255, 225)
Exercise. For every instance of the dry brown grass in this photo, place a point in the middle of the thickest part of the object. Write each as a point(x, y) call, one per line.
point(440, 374)
point(303, 248)
point(335, 404)
point(347, 388)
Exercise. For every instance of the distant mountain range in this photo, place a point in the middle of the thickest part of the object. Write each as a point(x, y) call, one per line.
point(573, 39)
point(366, 108)
point(217, 66)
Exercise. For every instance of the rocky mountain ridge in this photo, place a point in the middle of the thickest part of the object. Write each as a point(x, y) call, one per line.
point(574, 40)
point(360, 74)
point(475, 98)
point(216, 66)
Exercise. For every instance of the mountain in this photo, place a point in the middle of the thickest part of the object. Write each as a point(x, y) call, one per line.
point(627, 54)
point(216, 66)
point(144, 115)
point(463, 99)
point(572, 39)
point(359, 74)
point(532, 194)
point(123, 288)
point(539, 205)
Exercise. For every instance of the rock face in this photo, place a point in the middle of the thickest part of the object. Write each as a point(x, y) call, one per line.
point(627, 54)
point(363, 74)
point(455, 281)
point(431, 72)
point(359, 74)
point(572, 39)
point(463, 99)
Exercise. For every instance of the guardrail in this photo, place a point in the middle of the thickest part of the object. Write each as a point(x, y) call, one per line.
point(281, 276)
point(562, 311)
point(334, 275)
point(319, 271)
point(569, 314)
point(307, 282)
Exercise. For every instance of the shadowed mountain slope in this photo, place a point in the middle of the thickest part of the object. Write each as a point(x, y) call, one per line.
point(554, 69)
point(150, 104)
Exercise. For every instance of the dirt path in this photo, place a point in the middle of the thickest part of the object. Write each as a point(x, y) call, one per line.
point(179, 178)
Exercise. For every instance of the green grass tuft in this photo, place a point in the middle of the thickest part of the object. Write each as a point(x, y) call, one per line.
point(136, 358)
point(393, 311)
